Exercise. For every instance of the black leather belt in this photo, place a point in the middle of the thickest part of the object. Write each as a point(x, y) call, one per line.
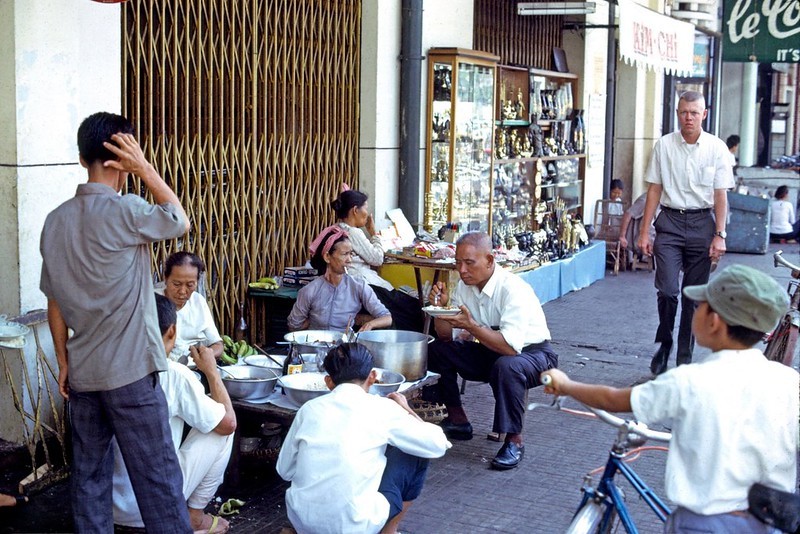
point(686, 211)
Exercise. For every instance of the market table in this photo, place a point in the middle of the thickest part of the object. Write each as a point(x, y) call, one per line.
point(256, 414)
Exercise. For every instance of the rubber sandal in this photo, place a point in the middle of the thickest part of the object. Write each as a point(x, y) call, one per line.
point(213, 528)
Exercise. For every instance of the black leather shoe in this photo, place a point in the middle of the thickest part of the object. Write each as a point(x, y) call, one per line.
point(462, 431)
point(659, 362)
point(509, 456)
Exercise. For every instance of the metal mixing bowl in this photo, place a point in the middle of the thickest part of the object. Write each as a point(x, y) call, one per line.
point(262, 360)
point(389, 382)
point(245, 382)
point(302, 387)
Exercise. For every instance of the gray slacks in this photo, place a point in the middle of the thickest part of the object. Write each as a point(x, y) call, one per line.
point(681, 245)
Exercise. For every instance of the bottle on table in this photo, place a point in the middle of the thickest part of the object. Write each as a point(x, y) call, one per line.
point(240, 332)
point(294, 362)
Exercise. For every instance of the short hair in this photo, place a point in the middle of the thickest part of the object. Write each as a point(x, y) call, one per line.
point(349, 362)
point(692, 96)
point(317, 261)
point(479, 240)
point(167, 313)
point(746, 336)
point(782, 191)
point(179, 259)
point(732, 141)
point(616, 183)
point(348, 200)
point(97, 129)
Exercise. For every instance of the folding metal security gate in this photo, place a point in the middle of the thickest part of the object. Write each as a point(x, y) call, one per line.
point(249, 109)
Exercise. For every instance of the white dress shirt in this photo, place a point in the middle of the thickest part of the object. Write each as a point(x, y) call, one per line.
point(733, 417)
point(689, 173)
point(334, 457)
point(509, 303)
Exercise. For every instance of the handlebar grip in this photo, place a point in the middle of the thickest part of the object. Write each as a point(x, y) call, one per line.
point(547, 380)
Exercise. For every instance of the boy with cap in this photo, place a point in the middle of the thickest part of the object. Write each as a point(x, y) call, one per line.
point(733, 415)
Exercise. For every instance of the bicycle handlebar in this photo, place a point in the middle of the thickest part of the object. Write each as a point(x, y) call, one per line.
point(617, 422)
point(780, 261)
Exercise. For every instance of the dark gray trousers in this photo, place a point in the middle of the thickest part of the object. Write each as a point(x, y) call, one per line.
point(509, 376)
point(137, 415)
point(681, 245)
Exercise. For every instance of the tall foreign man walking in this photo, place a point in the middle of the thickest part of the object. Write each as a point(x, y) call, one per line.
point(688, 175)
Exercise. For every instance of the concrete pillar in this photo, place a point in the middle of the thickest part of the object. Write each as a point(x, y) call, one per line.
point(749, 127)
point(60, 61)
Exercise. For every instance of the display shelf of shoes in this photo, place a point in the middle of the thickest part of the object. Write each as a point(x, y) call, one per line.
point(461, 85)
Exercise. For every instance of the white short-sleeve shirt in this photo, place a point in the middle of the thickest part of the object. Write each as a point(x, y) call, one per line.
point(689, 173)
point(734, 421)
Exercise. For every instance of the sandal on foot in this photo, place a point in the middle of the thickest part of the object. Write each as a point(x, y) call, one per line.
point(19, 500)
point(218, 525)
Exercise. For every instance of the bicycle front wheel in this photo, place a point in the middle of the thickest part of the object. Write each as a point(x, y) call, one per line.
point(782, 342)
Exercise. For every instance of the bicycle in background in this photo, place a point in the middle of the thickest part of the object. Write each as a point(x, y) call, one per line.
point(602, 507)
point(782, 342)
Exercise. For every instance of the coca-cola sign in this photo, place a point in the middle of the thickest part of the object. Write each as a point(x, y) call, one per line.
point(766, 31)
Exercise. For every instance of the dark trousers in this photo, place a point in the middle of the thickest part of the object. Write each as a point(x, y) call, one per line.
point(137, 415)
point(403, 478)
point(510, 376)
point(405, 309)
point(681, 245)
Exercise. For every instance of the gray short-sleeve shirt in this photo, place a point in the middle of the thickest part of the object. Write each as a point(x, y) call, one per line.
point(96, 265)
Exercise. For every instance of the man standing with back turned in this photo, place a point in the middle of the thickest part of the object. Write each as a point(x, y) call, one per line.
point(96, 276)
point(688, 175)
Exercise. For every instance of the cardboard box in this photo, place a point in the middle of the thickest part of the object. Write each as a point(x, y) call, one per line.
point(299, 272)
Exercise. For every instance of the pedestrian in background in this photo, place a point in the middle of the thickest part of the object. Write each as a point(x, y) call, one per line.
point(97, 277)
point(782, 224)
point(688, 175)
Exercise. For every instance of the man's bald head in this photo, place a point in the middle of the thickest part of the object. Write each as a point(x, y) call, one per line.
point(474, 258)
point(480, 240)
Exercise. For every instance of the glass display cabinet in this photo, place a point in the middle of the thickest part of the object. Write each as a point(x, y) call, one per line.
point(461, 109)
point(539, 158)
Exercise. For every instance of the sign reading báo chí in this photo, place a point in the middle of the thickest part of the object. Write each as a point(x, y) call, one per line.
point(767, 31)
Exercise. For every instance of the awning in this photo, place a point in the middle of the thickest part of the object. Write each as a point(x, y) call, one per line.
point(651, 40)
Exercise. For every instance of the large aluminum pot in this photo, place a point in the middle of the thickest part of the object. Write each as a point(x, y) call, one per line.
point(400, 351)
point(315, 340)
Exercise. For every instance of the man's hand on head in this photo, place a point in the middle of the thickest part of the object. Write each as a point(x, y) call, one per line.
point(131, 157)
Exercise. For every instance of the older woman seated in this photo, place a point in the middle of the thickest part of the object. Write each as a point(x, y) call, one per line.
point(335, 298)
point(182, 272)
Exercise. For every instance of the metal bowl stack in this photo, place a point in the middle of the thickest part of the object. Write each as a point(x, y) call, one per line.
point(245, 382)
point(302, 387)
point(387, 382)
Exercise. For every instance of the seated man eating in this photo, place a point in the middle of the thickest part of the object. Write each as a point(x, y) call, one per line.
point(355, 461)
point(501, 312)
point(204, 454)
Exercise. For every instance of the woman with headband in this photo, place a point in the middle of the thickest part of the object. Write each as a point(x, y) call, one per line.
point(335, 298)
point(352, 214)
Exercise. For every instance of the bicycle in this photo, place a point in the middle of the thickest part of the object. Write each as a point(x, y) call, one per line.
point(603, 506)
point(782, 342)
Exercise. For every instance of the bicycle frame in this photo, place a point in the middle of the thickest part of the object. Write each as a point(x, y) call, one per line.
point(607, 494)
point(611, 496)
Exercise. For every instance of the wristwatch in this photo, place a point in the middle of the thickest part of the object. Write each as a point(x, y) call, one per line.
point(723, 234)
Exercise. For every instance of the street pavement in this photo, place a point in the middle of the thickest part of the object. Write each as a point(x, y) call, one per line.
point(602, 334)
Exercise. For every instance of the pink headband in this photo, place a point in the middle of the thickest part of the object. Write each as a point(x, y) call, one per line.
point(328, 236)
point(344, 187)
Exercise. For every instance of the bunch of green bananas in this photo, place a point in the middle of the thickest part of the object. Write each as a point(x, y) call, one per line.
point(265, 283)
point(235, 350)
